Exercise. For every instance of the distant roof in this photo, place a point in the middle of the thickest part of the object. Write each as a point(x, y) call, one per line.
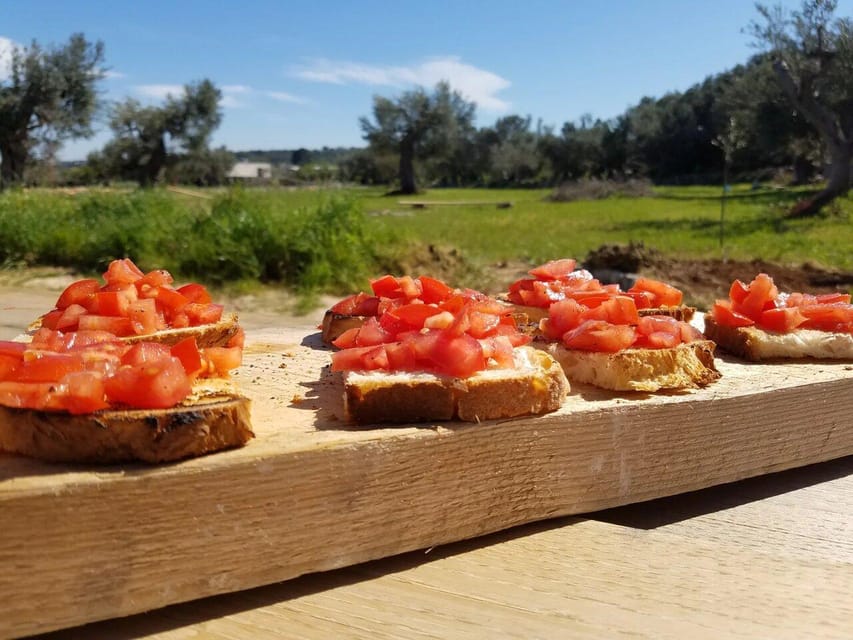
point(251, 170)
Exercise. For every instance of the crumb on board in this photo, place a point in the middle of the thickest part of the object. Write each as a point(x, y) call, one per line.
point(297, 399)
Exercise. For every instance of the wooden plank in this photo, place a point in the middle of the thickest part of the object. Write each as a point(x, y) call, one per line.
point(311, 494)
point(776, 562)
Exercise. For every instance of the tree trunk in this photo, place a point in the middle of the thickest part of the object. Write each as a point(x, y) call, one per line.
point(836, 139)
point(407, 168)
point(838, 182)
point(14, 159)
point(150, 171)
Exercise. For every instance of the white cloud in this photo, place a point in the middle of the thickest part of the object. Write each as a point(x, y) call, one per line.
point(6, 47)
point(283, 96)
point(109, 74)
point(159, 91)
point(473, 83)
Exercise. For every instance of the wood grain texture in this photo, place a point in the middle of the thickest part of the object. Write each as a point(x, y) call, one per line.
point(770, 557)
point(310, 493)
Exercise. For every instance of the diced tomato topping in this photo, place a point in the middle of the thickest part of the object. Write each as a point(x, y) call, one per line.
point(116, 326)
point(122, 272)
point(171, 301)
point(760, 302)
point(599, 335)
point(414, 315)
point(222, 360)
point(386, 287)
point(553, 270)
point(371, 333)
point(724, 314)
point(358, 304)
point(143, 317)
point(195, 292)
point(153, 385)
point(433, 290)
point(70, 318)
point(347, 339)
point(77, 293)
point(188, 353)
point(782, 319)
point(664, 295)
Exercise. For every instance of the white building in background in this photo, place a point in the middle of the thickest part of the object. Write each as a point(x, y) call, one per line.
point(250, 172)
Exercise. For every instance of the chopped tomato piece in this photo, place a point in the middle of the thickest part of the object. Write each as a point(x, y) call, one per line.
point(781, 319)
point(359, 304)
point(563, 316)
point(725, 315)
point(664, 295)
point(347, 339)
point(149, 283)
point(188, 353)
point(47, 366)
point(433, 290)
point(371, 333)
point(615, 310)
point(84, 392)
point(70, 318)
point(116, 326)
point(110, 303)
point(143, 353)
point(386, 287)
point(598, 335)
point(154, 385)
point(414, 315)
point(223, 359)
point(171, 301)
point(199, 313)
point(401, 356)
point(122, 272)
point(143, 317)
point(761, 295)
point(195, 292)
point(457, 355)
point(554, 270)
point(77, 293)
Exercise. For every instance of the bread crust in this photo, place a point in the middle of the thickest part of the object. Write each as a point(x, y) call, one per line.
point(204, 424)
point(537, 386)
point(685, 366)
point(756, 344)
point(206, 335)
point(682, 312)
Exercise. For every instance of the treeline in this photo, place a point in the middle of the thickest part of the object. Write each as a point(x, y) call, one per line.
point(789, 108)
point(682, 137)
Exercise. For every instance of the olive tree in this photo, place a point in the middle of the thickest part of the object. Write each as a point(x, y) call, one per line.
point(147, 138)
point(418, 124)
point(47, 96)
point(812, 54)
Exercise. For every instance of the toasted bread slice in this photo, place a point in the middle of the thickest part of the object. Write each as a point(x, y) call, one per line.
point(754, 343)
point(536, 385)
point(212, 419)
point(682, 312)
point(216, 334)
point(685, 366)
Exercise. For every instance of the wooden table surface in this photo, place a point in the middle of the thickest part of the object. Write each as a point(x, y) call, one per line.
point(769, 557)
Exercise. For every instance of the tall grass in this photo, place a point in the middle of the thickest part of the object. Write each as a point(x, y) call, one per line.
point(335, 240)
point(322, 243)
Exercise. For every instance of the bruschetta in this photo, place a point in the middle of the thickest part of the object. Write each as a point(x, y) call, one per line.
point(758, 322)
point(461, 357)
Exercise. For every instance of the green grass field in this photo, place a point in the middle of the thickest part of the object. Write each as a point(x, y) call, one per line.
point(330, 240)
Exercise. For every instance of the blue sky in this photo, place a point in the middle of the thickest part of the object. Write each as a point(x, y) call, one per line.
point(299, 74)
